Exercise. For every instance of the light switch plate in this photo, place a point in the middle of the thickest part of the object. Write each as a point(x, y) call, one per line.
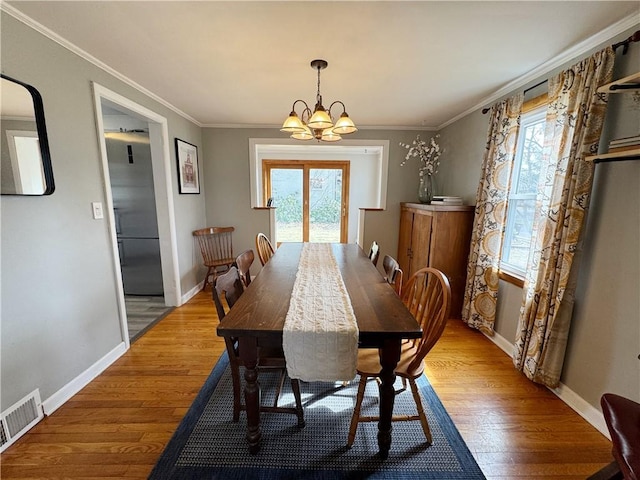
point(97, 210)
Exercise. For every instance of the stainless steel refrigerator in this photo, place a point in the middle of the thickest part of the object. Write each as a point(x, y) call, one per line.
point(130, 169)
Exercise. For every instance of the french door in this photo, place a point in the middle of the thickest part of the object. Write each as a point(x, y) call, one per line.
point(311, 199)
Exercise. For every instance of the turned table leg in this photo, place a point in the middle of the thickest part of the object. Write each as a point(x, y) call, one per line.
point(249, 355)
point(389, 357)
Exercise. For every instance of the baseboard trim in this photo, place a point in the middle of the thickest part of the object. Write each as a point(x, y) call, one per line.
point(192, 293)
point(564, 393)
point(505, 345)
point(582, 408)
point(56, 400)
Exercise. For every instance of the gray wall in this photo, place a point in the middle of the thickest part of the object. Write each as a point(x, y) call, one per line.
point(604, 343)
point(59, 306)
point(228, 191)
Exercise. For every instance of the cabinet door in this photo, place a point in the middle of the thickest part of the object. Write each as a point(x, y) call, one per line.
point(404, 242)
point(450, 252)
point(420, 242)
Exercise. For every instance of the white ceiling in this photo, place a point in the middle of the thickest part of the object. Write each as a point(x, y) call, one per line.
point(394, 64)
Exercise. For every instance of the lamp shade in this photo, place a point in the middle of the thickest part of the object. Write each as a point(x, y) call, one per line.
point(344, 125)
point(303, 135)
point(328, 135)
point(292, 123)
point(320, 119)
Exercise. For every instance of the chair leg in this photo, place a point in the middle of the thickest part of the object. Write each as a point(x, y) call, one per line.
point(356, 411)
point(421, 414)
point(279, 389)
point(295, 386)
point(237, 403)
point(206, 279)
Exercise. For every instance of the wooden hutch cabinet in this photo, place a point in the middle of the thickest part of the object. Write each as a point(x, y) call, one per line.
point(437, 236)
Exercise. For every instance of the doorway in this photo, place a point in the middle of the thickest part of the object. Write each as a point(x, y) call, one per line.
point(312, 199)
point(150, 154)
point(134, 207)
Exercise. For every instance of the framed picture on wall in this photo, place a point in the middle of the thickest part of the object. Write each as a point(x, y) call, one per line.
point(187, 157)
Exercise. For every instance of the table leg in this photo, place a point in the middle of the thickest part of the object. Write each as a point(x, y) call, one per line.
point(249, 355)
point(389, 357)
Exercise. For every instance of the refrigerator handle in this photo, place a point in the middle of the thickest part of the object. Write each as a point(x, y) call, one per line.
point(116, 216)
point(121, 253)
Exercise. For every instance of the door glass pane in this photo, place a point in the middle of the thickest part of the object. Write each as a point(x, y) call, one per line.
point(286, 190)
point(325, 200)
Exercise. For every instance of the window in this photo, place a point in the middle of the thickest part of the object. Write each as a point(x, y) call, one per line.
point(522, 193)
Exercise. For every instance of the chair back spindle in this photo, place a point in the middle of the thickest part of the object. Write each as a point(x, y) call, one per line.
point(264, 247)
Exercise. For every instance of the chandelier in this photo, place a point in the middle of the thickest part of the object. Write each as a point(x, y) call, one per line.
point(319, 123)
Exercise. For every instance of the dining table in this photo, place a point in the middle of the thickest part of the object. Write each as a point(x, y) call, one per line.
point(257, 320)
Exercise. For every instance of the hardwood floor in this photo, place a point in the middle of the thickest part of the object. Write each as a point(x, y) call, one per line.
point(118, 425)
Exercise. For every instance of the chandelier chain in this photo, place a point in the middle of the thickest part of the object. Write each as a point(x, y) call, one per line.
point(318, 96)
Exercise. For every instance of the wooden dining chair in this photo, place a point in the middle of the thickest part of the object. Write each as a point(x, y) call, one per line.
point(216, 247)
point(393, 273)
point(622, 416)
point(243, 263)
point(374, 253)
point(427, 295)
point(264, 247)
point(228, 286)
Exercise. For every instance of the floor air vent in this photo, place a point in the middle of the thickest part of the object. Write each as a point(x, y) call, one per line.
point(18, 419)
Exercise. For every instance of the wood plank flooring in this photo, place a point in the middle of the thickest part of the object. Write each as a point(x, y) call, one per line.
point(143, 312)
point(117, 426)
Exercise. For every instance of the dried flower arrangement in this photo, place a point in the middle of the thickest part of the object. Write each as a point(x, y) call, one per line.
point(427, 152)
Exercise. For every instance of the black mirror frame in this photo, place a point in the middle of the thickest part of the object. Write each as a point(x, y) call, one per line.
point(43, 140)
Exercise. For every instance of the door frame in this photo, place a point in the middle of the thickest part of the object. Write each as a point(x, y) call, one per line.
point(305, 166)
point(163, 188)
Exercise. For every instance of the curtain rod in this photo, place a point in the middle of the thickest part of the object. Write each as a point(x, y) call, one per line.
point(486, 109)
point(625, 43)
point(625, 47)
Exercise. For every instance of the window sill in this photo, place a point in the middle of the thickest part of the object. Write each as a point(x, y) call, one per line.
point(511, 278)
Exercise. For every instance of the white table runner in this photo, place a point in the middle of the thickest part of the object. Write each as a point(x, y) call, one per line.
point(320, 335)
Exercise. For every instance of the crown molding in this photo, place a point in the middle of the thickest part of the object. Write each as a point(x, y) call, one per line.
point(277, 127)
point(50, 34)
point(577, 50)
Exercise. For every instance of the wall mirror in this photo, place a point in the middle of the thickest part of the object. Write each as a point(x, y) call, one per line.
point(25, 162)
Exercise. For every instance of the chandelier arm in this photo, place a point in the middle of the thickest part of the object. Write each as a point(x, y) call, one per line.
point(344, 108)
point(293, 107)
point(306, 111)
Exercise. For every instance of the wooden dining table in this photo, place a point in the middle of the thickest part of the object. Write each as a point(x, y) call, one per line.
point(257, 319)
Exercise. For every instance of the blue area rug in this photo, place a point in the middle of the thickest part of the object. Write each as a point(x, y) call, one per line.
point(207, 444)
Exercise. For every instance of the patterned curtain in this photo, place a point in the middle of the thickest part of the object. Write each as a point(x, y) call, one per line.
point(480, 296)
point(573, 125)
